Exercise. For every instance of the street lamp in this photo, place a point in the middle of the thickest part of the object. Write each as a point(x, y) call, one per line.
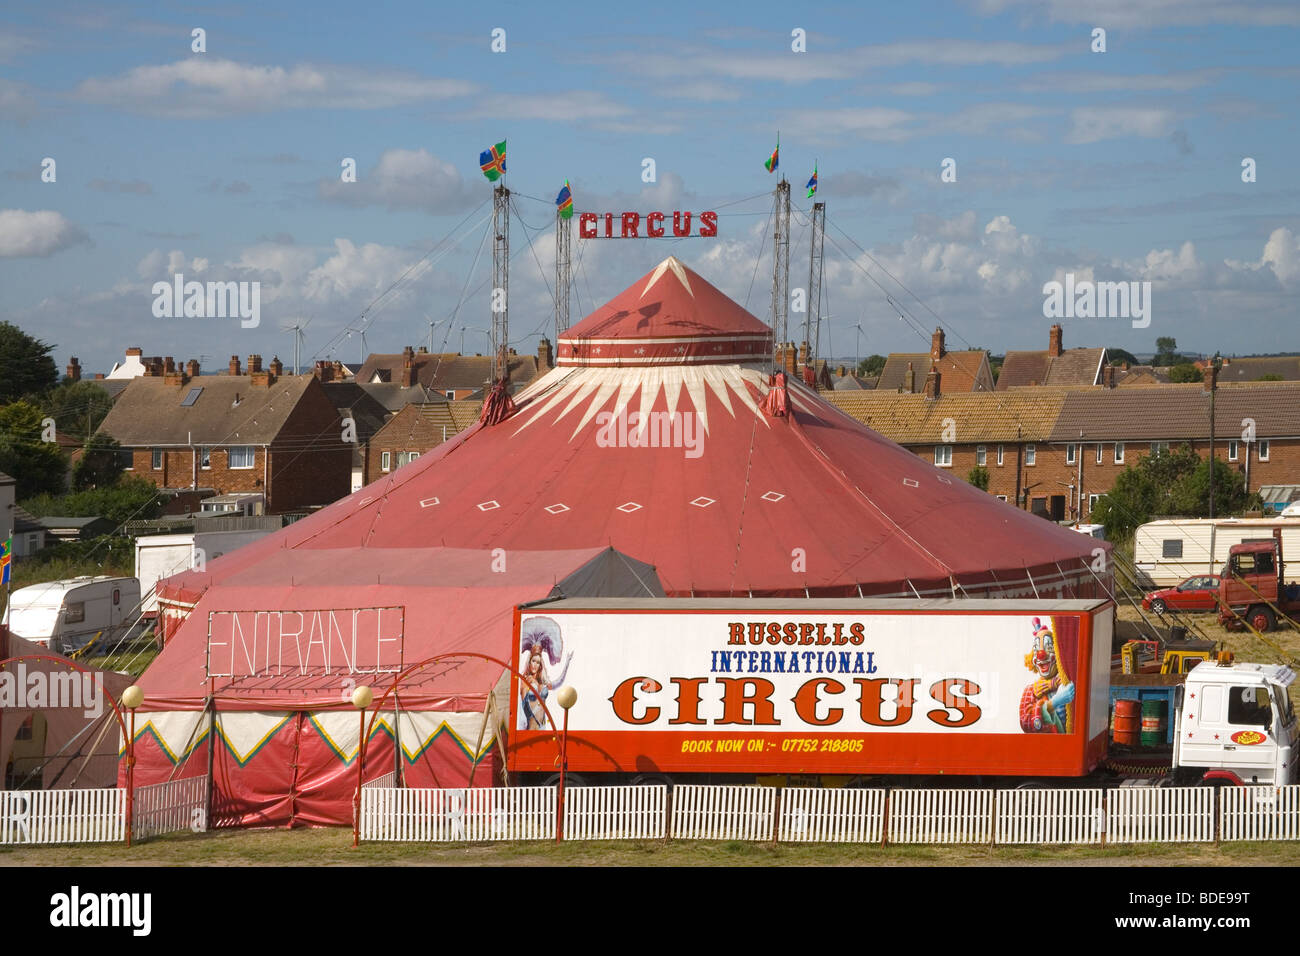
point(567, 696)
point(361, 699)
point(132, 698)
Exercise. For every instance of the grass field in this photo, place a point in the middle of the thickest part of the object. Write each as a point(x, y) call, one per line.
point(332, 847)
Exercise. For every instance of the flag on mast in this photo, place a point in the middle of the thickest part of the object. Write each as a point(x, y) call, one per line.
point(812, 183)
point(493, 162)
point(774, 160)
point(6, 556)
point(565, 201)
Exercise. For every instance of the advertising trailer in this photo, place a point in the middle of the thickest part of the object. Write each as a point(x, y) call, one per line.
point(813, 686)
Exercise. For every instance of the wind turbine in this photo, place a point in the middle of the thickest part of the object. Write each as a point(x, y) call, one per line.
point(298, 337)
point(364, 351)
point(433, 325)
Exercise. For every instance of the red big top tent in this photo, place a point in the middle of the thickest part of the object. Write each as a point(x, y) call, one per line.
point(655, 435)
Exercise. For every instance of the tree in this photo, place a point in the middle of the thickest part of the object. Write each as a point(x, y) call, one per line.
point(1120, 356)
point(1166, 351)
point(78, 408)
point(132, 498)
point(25, 364)
point(1270, 377)
point(1185, 372)
point(979, 477)
point(1173, 483)
point(100, 465)
point(36, 465)
point(871, 366)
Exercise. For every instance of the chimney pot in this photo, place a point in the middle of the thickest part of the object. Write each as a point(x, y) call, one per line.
point(74, 369)
point(192, 368)
point(545, 357)
point(136, 352)
point(254, 364)
point(932, 378)
point(1055, 342)
point(1108, 376)
point(277, 368)
point(909, 379)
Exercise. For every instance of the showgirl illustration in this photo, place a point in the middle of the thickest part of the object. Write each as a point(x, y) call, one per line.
point(1044, 706)
point(539, 640)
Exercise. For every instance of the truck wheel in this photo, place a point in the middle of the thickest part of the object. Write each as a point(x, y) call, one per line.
point(1158, 606)
point(570, 780)
point(1261, 618)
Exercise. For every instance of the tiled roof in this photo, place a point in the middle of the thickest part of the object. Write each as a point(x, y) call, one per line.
point(1250, 369)
point(443, 370)
point(421, 426)
point(959, 371)
point(1021, 414)
point(1071, 367)
point(149, 411)
point(1172, 412)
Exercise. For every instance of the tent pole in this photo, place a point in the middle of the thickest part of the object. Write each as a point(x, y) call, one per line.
point(397, 739)
point(210, 787)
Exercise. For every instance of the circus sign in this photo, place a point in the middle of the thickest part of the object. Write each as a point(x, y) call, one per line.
point(305, 643)
point(655, 225)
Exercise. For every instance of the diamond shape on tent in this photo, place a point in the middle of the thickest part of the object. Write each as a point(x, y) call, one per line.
point(366, 500)
point(629, 507)
point(556, 509)
point(429, 502)
point(773, 496)
point(945, 479)
point(489, 505)
point(703, 502)
point(911, 483)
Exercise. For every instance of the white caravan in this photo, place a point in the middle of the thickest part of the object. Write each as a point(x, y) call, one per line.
point(159, 556)
point(1173, 549)
point(67, 615)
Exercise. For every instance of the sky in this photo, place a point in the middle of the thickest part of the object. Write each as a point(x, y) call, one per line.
point(969, 153)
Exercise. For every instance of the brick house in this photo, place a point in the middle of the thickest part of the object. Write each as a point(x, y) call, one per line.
point(1056, 365)
point(261, 432)
point(967, 371)
point(414, 431)
point(452, 375)
point(1057, 450)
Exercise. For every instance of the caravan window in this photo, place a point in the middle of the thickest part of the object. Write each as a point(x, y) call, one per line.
point(75, 612)
point(1172, 548)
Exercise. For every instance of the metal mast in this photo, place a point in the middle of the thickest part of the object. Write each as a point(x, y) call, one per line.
point(814, 314)
point(563, 232)
point(781, 266)
point(500, 281)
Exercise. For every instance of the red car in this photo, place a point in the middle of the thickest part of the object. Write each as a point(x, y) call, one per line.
point(1200, 593)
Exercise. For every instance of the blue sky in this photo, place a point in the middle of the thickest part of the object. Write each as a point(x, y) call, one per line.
point(225, 165)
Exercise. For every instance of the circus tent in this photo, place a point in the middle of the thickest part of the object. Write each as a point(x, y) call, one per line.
point(660, 433)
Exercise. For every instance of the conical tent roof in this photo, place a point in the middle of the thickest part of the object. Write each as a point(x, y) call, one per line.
point(648, 436)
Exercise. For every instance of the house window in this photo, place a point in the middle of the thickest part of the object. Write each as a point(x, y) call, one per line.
point(1263, 449)
point(451, 393)
point(1099, 453)
point(126, 458)
point(414, 455)
point(981, 455)
point(240, 456)
point(76, 612)
point(1119, 453)
point(1160, 448)
point(157, 459)
point(385, 461)
point(999, 454)
point(1232, 450)
point(1031, 455)
point(1002, 497)
point(1092, 501)
point(1171, 548)
point(943, 456)
point(1071, 454)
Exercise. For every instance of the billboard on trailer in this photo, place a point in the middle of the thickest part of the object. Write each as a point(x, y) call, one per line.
point(835, 686)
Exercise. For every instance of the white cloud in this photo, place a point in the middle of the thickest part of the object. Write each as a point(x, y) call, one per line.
point(1090, 124)
point(202, 86)
point(1111, 14)
point(405, 179)
point(40, 233)
point(1281, 256)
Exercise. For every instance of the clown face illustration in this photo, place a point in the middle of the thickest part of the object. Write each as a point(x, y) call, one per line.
point(1044, 705)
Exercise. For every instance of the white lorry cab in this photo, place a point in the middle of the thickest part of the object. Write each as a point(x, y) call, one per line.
point(1236, 722)
point(67, 615)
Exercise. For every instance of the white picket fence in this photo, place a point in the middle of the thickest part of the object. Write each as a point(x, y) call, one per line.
point(1259, 813)
point(62, 816)
point(171, 807)
point(469, 814)
point(615, 813)
point(387, 781)
point(831, 816)
point(941, 816)
point(1049, 816)
point(723, 813)
point(1160, 815)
